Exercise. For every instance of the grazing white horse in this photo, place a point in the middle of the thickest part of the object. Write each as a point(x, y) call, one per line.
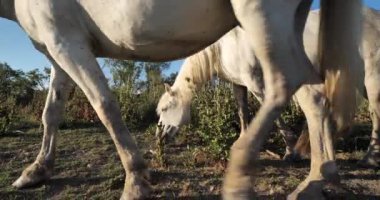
point(73, 33)
point(221, 58)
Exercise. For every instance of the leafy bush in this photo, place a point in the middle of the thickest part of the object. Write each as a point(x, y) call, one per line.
point(78, 108)
point(17, 90)
point(137, 95)
point(7, 114)
point(293, 117)
point(138, 110)
point(23, 94)
point(215, 118)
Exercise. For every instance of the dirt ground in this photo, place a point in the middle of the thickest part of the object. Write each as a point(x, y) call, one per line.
point(87, 167)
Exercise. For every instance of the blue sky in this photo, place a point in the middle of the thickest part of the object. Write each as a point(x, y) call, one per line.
point(18, 52)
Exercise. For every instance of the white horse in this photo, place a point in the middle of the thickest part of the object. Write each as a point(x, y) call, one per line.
point(73, 33)
point(221, 58)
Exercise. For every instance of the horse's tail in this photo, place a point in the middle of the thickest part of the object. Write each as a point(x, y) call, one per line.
point(339, 39)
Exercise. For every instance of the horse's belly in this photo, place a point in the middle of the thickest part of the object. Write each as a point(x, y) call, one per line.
point(158, 51)
point(165, 28)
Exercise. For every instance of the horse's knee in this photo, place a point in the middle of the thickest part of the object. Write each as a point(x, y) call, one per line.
point(105, 107)
point(319, 99)
point(312, 99)
point(51, 119)
point(374, 99)
point(372, 86)
point(104, 103)
point(278, 98)
point(51, 114)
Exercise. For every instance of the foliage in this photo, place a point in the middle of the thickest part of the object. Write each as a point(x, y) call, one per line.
point(293, 117)
point(215, 120)
point(78, 109)
point(33, 110)
point(124, 72)
point(171, 78)
point(137, 96)
point(137, 87)
point(7, 114)
point(23, 94)
point(17, 90)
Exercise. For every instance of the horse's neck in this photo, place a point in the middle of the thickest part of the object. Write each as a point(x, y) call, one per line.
point(201, 67)
point(198, 69)
point(7, 9)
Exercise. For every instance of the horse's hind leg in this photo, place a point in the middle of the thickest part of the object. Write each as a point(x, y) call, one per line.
point(42, 168)
point(276, 29)
point(323, 168)
point(372, 157)
point(288, 135)
point(372, 82)
point(256, 87)
point(73, 53)
point(290, 140)
point(240, 93)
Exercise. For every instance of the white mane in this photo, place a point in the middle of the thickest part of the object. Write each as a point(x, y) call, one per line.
point(195, 71)
point(200, 68)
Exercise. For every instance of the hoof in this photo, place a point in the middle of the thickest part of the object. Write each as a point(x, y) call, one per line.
point(334, 191)
point(136, 187)
point(292, 157)
point(308, 190)
point(23, 182)
point(32, 176)
point(239, 195)
point(369, 162)
point(237, 187)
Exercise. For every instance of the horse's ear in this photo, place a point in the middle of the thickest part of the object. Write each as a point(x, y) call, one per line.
point(168, 88)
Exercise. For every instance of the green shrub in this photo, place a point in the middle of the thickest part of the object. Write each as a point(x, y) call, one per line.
point(78, 108)
point(137, 95)
point(17, 90)
point(138, 110)
point(293, 117)
point(7, 114)
point(33, 111)
point(215, 118)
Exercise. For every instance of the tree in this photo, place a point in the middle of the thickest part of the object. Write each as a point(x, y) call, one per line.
point(154, 73)
point(137, 95)
point(171, 78)
point(124, 73)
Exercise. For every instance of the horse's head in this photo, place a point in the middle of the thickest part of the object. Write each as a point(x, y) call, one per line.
point(173, 111)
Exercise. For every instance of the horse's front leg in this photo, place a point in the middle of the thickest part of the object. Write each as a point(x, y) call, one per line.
point(42, 168)
point(72, 51)
point(240, 93)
